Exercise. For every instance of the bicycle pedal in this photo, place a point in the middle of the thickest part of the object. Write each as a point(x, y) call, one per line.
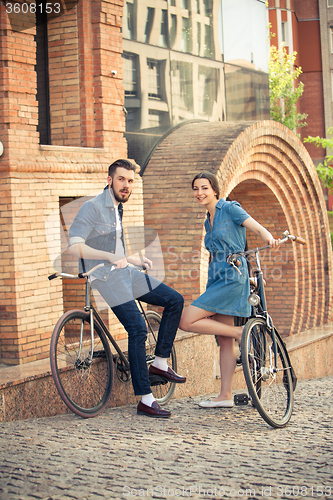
point(157, 380)
point(241, 399)
point(99, 354)
point(239, 360)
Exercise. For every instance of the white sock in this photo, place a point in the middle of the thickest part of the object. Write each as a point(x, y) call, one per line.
point(161, 363)
point(147, 399)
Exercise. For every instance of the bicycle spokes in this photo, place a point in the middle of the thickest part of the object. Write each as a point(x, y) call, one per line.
point(267, 372)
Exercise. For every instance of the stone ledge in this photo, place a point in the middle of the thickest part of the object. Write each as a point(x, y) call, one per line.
point(19, 374)
point(70, 149)
point(28, 391)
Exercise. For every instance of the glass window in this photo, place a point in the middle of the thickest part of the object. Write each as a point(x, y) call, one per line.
point(209, 43)
point(208, 7)
point(156, 118)
point(154, 79)
point(207, 89)
point(186, 35)
point(182, 86)
point(149, 24)
point(132, 119)
point(129, 21)
point(284, 31)
point(247, 94)
point(173, 29)
point(331, 39)
point(163, 41)
point(329, 3)
point(198, 39)
point(130, 74)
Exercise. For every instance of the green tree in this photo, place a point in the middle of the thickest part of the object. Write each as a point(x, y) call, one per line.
point(284, 93)
point(324, 170)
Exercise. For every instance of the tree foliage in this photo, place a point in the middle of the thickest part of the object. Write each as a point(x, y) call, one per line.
point(324, 170)
point(284, 93)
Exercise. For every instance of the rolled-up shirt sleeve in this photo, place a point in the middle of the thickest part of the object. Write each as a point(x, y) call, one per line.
point(237, 214)
point(83, 224)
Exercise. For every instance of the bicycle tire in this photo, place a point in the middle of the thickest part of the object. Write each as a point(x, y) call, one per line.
point(162, 393)
point(271, 390)
point(84, 383)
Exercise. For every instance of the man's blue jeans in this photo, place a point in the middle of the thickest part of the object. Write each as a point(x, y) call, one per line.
point(120, 291)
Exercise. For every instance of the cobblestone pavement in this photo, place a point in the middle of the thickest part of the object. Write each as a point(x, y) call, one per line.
point(199, 454)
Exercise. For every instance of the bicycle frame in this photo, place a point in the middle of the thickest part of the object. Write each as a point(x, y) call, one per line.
point(94, 316)
point(81, 341)
point(260, 285)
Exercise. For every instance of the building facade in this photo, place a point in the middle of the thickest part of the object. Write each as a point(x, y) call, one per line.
point(306, 26)
point(192, 60)
point(87, 82)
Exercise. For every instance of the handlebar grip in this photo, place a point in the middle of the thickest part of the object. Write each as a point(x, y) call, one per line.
point(53, 276)
point(300, 240)
point(140, 268)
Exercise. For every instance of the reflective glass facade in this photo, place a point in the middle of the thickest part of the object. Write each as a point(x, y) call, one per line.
point(192, 60)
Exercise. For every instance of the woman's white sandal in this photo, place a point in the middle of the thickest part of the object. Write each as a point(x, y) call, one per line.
point(226, 403)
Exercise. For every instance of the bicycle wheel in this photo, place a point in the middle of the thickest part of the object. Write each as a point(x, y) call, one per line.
point(267, 375)
point(84, 381)
point(162, 392)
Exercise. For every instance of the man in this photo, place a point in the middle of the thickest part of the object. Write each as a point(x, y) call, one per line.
point(96, 236)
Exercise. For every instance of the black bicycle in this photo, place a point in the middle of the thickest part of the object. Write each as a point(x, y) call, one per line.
point(81, 358)
point(269, 376)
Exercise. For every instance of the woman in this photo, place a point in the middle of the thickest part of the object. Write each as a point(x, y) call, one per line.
point(227, 290)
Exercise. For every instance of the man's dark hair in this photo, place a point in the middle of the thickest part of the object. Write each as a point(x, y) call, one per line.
point(121, 163)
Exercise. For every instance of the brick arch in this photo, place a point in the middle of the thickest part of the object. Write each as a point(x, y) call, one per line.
point(268, 170)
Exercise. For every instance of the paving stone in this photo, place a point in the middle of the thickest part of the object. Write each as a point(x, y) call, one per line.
point(197, 454)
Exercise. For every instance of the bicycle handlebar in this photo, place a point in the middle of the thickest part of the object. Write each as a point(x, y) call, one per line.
point(74, 276)
point(300, 240)
point(297, 239)
point(232, 258)
point(88, 273)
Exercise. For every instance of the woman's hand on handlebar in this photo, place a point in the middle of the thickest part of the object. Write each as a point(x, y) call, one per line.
point(273, 243)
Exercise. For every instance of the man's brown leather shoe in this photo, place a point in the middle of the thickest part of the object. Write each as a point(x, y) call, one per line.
point(169, 375)
point(153, 411)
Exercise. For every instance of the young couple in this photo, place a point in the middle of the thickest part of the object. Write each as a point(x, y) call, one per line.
point(96, 235)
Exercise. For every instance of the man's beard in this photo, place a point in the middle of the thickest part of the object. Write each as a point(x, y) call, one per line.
point(119, 199)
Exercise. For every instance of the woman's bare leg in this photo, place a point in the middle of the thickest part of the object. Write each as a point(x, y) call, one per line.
point(227, 359)
point(197, 320)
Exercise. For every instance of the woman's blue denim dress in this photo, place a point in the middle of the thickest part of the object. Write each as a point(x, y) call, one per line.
point(227, 291)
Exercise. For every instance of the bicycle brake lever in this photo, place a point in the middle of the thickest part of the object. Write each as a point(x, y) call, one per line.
point(233, 265)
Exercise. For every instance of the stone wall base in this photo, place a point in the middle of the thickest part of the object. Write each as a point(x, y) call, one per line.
point(28, 391)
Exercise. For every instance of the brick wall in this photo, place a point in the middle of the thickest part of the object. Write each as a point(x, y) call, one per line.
point(268, 170)
point(63, 53)
point(87, 124)
point(31, 304)
point(306, 9)
point(310, 60)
